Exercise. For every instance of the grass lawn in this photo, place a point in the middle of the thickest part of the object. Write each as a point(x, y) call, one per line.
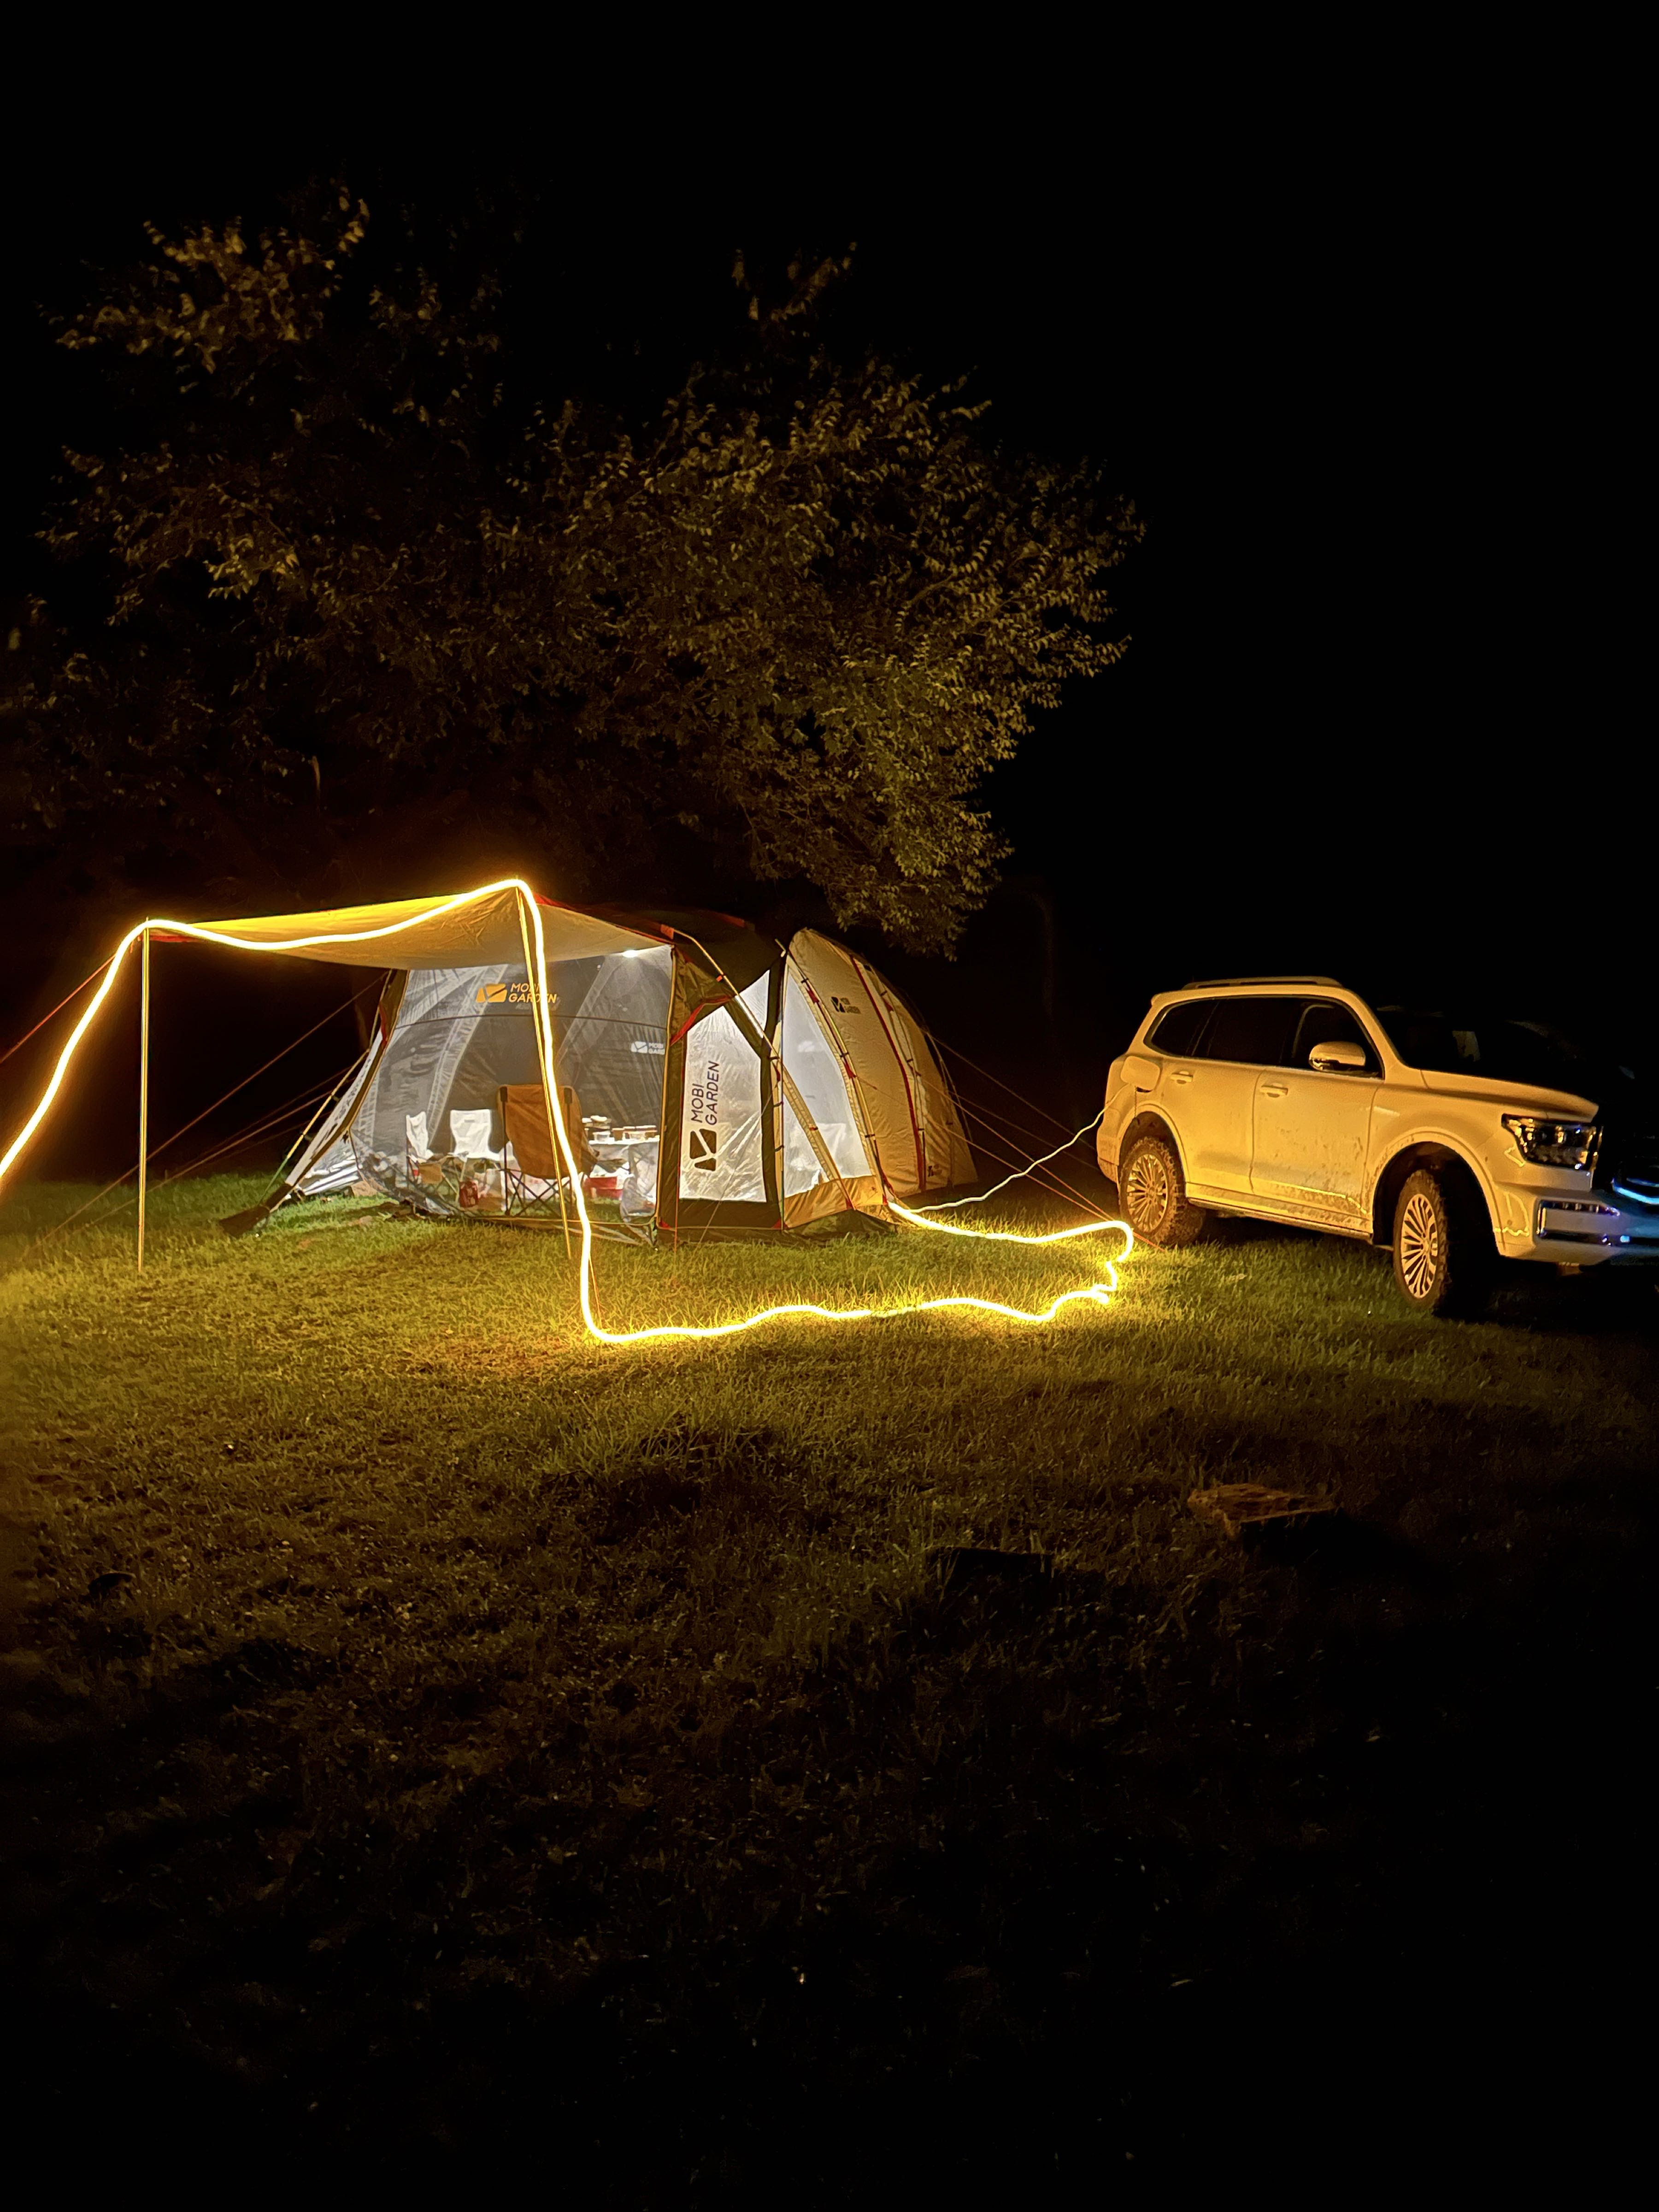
point(430, 1731)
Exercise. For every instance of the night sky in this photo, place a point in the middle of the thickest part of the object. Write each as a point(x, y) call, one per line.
point(1382, 717)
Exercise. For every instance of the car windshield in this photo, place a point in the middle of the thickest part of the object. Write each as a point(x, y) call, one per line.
point(1475, 1040)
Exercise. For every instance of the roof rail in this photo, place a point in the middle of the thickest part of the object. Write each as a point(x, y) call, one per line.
point(1219, 982)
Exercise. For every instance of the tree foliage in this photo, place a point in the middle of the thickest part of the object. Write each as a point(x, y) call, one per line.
point(357, 610)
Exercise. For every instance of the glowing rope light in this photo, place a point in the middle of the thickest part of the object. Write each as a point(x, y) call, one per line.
point(1013, 1235)
point(979, 1197)
point(1097, 1294)
point(240, 944)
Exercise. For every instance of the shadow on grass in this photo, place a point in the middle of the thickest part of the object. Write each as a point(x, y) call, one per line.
point(1598, 1301)
point(1360, 1893)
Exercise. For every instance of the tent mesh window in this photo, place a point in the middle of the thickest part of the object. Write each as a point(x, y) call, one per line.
point(431, 1127)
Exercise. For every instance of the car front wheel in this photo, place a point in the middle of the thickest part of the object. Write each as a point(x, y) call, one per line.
point(1154, 1195)
point(1442, 1248)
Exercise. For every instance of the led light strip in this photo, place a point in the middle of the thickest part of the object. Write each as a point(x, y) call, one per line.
point(1097, 1294)
point(979, 1197)
point(1011, 1236)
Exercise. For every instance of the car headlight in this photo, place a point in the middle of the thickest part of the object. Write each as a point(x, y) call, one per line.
point(1554, 1144)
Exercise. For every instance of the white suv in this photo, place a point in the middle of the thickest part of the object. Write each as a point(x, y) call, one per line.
point(1455, 1137)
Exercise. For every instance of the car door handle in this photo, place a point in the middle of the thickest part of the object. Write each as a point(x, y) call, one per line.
point(1180, 1075)
point(1274, 1090)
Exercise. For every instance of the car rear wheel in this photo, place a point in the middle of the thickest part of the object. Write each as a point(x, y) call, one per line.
point(1443, 1249)
point(1154, 1195)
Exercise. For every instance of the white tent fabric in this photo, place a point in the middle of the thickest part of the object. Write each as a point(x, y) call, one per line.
point(909, 1116)
point(723, 1128)
point(811, 1059)
point(943, 1154)
point(434, 932)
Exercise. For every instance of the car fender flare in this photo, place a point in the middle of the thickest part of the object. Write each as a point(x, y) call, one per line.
point(1149, 1123)
point(1425, 1148)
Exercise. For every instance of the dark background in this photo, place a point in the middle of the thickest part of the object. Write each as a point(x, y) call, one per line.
point(1384, 714)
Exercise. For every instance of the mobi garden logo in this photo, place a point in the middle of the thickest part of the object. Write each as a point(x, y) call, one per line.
point(702, 1113)
point(510, 995)
point(844, 1005)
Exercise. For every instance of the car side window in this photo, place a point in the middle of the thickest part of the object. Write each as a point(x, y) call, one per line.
point(1255, 1030)
point(1180, 1031)
point(1325, 1022)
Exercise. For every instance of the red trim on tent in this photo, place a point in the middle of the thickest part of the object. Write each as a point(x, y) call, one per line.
point(703, 1007)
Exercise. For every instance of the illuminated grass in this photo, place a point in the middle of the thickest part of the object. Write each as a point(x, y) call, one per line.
point(436, 1382)
point(443, 1628)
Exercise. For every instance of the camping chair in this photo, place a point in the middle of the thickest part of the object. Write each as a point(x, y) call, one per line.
point(535, 1178)
point(471, 1127)
point(422, 1167)
point(469, 1174)
point(534, 1172)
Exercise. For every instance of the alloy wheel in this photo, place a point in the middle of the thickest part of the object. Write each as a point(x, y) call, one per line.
point(1420, 1247)
point(1146, 1189)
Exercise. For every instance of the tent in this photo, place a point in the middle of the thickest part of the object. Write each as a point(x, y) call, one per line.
point(793, 1092)
point(713, 1082)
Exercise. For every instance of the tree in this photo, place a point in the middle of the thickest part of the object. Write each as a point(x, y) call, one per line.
point(366, 614)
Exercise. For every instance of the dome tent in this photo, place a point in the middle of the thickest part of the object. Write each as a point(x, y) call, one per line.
point(713, 1081)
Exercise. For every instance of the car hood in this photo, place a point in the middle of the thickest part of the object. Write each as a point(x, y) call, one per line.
point(1513, 1098)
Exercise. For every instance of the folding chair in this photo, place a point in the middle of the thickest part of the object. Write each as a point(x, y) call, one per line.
point(533, 1170)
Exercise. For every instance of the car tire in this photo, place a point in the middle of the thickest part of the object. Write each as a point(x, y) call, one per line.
point(1153, 1193)
point(1442, 1247)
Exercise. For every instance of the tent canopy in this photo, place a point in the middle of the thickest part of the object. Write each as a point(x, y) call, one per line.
point(441, 931)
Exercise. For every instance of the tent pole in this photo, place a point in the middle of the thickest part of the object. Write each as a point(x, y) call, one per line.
point(143, 1094)
point(544, 1044)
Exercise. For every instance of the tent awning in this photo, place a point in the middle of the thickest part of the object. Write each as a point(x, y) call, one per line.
point(441, 931)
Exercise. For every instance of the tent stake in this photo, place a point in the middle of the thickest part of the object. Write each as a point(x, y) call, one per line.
point(545, 1045)
point(143, 1094)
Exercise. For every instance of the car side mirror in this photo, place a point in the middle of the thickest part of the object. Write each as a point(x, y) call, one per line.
point(1337, 1059)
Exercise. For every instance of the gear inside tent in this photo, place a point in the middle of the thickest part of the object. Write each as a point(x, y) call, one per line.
point(714, 1082)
